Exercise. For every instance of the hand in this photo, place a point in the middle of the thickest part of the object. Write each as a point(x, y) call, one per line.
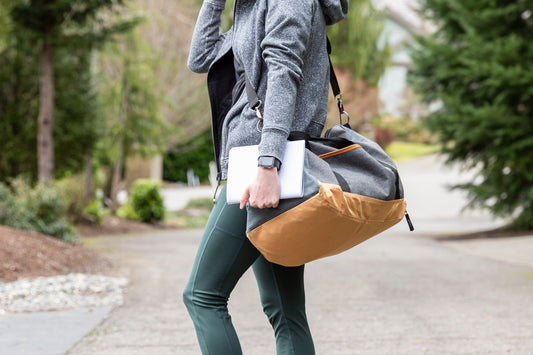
point(264, 191)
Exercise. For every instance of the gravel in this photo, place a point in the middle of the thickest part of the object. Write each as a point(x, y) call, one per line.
point(61, 292)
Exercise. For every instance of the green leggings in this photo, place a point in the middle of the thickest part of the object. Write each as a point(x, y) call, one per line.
point(224, 254)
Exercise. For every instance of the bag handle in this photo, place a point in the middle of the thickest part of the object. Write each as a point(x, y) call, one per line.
point(334, 142)
point(255, 103)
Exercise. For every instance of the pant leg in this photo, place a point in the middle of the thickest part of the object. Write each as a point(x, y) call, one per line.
point(224, 254)
point(283, 297)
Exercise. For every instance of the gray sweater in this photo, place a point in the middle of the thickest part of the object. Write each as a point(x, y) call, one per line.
point(281, 45)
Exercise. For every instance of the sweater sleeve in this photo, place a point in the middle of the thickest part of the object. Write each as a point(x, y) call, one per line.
point(288, 27)
point(206, 39)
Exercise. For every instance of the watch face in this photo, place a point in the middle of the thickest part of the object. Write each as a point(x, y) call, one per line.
point(266, 162)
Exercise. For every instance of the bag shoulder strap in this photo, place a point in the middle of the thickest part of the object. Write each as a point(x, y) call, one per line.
point(332, 77)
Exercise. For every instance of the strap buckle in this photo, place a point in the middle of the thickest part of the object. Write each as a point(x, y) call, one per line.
point(341, 109)
point(258, 114)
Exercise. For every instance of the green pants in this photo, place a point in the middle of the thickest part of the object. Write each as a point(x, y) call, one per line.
point(224, 254)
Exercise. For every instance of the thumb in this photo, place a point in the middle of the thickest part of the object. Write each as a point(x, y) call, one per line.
point(245, 197)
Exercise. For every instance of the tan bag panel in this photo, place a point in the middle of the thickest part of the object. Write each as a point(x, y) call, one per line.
point(318, 227)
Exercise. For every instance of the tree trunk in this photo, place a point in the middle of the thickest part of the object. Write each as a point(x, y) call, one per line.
point(88, 191)
point(116, 177)
point(45, 139)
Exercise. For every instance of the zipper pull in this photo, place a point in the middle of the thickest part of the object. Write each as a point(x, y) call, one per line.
point(408, 219)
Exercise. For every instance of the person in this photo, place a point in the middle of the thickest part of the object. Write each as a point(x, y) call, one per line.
point(280, 46)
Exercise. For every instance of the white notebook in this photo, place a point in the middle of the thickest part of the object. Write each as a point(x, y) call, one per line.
point(242, 169)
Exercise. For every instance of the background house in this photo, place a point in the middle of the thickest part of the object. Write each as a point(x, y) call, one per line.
point(403, 20)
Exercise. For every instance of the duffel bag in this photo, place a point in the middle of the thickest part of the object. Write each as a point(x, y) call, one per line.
point(352, 192)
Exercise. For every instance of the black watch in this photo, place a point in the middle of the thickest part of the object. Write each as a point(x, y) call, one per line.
point(268, 162)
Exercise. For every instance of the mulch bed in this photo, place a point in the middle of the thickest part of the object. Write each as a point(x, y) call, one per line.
point(115, 225)
point(30, 254)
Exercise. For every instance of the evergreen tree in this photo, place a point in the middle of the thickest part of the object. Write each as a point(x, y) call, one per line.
point(477, 65)
point(52, 24)
point(75, 118)
point(75, 127)
point(18, 104)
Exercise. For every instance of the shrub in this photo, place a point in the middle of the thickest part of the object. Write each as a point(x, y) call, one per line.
point(95, 211)
point(384, 137)
point(404, 129)
point(73, 187)
point(10, 211)
point(127, 211)
point(41, 209)
point(194, 154)
point(146, 201)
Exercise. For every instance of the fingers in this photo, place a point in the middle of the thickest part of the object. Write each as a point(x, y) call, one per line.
point(245, 197)
point(264, 200)
point(264, 192)
point(258, 200)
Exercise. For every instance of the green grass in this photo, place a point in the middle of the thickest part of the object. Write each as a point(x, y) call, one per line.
point(194, 215)
point(203, 203)
point(190, 222)
point(401, 151)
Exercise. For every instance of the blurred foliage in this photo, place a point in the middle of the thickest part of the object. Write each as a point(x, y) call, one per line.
point(5, 24)
point(383, 136)
point(129, 106)
point(84, 23)
point(52, 26)
point(477, 65)
point(74, 129)
point(181, 94)
point(193, 154)
point(128, 100)
point(41, 209)
point(201, 203)
point(18, 108)
point(75, 118)
point(73, 187)
point(404, 129)
point(354, 42)
point(127, 211)
point(95, 211)
point(145, 203)
point(194, 215)
point(400, 151)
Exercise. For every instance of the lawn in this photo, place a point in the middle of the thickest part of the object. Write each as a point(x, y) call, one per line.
point(400, 151)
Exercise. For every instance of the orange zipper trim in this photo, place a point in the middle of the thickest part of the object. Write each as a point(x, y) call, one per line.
point(339, 151)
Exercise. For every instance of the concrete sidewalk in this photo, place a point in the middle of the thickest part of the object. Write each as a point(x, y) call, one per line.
point(399, 293)
point(47, 333)
point(176, 197)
